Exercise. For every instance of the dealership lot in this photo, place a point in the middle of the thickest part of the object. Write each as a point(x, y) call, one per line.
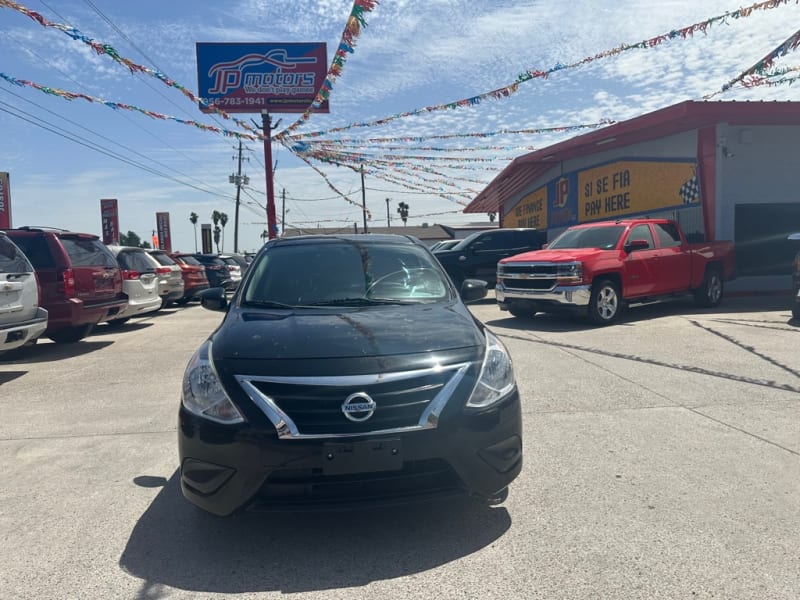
point(662, 459)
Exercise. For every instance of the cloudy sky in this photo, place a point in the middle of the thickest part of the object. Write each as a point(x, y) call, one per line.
point(64, 156)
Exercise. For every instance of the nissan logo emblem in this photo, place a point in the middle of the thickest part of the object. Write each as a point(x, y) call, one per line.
point(358, 407)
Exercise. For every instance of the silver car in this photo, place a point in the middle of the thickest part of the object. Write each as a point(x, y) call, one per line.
point(22, 320)
point(139, 282)
point(170, 277)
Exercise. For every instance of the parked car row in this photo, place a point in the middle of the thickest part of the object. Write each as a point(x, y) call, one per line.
point(61, 284)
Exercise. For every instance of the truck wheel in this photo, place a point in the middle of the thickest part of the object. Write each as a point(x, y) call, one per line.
point(605, 303)
point(796, 310)
point(521, 311)
point(70, 335)
point(709, 294)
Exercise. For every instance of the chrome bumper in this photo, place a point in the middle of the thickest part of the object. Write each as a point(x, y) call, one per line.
point(563, 295)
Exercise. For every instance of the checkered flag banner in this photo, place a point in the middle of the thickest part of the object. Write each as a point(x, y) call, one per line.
point(690, 190)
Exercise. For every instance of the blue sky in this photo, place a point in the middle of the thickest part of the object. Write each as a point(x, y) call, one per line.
point(411, 55)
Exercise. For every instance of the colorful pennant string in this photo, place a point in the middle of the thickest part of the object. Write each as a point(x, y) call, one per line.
point(352, 31)
point(505, 92)
point(761, 67)
point(66, 95)
point(110, 51)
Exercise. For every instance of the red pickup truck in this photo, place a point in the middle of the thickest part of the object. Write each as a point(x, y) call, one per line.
point(598, 268)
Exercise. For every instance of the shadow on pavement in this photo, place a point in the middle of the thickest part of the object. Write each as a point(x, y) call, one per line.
point(175, 544)
point(48, 352)
point(679, 307)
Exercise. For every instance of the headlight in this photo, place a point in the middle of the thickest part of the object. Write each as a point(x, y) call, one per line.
point(496, 380)
point(202, 392)
point(569, 273)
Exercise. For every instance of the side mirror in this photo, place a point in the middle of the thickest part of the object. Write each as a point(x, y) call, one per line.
point(473, 289)
point(634, 245)
point(213, 299)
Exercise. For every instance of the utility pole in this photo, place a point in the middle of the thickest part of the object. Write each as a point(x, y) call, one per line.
point(363, 198)
point(239, 180)
point(266, 125)
point(283, 212)
point(388, 223)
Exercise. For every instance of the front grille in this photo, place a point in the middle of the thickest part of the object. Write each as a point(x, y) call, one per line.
point(529, 276)
point(309, 488)
point(529, 284)
point(314, 406)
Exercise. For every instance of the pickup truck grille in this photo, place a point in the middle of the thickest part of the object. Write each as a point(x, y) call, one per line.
point(528, 276)
point(302, 407)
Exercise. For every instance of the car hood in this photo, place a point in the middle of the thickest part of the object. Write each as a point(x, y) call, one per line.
point(322, 333)
point(565, 255)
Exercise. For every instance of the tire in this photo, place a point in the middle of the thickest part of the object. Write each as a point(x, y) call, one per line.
point(796, 310)
point(182, 301)
point(70, 335)
point(521, 311)
point(710, 292)
point(118, 322)
point(605, 303)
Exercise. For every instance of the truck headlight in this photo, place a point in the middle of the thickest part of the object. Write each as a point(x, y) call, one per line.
point(569, 273)
point(202, 392)
point(496, 380)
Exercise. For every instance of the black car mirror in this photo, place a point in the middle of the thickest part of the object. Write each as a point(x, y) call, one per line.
point(635, 245)
point(472, 290)
point(213, 299)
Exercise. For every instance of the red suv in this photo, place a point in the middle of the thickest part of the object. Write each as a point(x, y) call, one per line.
point(81, 282)
point(194, 276)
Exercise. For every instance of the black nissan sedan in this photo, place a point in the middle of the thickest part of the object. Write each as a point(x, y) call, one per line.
point(346, 372)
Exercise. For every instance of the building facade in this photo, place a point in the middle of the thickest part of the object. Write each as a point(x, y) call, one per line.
point(723, 170)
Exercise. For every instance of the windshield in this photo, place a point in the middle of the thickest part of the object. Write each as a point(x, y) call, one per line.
point(344, 273)
point(604, 238)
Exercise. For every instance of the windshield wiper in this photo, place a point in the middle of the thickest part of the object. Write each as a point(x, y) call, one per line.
point(360, 301)
point(267, 304)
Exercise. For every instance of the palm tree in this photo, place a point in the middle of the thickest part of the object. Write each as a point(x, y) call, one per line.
point(193, 220)
point(215, 219)
point(402, 208)
point(223, 220)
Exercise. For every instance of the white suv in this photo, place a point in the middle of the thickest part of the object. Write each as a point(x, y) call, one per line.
point(22, 320)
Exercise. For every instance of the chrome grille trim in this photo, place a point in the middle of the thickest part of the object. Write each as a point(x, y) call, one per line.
point(287, 429)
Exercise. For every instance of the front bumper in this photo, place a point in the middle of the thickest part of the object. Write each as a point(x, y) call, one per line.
point(563, 296)
point(227, 468)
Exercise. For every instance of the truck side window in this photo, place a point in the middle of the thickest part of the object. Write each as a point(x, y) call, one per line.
point(668, 235)
point(642, 232)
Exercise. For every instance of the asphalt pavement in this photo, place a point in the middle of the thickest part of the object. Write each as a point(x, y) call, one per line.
point(662, 460)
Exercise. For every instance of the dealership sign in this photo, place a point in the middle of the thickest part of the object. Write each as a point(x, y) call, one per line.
point(616, 189)
point(5, 202)
point(256, 77)
point(109, 217)
point(164, 233)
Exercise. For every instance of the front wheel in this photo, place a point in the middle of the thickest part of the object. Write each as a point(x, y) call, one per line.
point(796, 310)
point(709, 294)
point(605, 303)
point(521, 311)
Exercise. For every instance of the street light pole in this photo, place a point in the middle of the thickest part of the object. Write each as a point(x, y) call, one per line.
point(388, 223)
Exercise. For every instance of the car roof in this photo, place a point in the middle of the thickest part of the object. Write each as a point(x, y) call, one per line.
point(53, 231)
point(624, 222)
point(362, 238)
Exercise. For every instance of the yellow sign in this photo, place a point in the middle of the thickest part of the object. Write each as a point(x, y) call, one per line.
point(630, 187)
point(530, 212)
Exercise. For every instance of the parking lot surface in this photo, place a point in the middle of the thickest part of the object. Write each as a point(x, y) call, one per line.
point(662, 460)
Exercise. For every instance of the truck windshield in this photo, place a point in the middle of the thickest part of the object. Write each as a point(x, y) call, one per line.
point(604, 238)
